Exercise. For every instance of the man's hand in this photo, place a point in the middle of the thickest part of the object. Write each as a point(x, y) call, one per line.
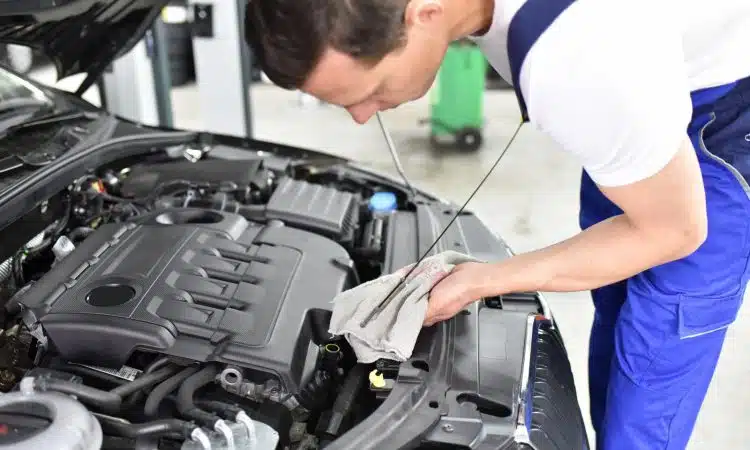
point(456, 291)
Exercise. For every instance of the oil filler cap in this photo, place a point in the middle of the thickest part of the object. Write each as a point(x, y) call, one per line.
point(383, 202)
point(110, 295)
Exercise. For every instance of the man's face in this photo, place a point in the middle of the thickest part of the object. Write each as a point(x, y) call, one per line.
point(402, 76)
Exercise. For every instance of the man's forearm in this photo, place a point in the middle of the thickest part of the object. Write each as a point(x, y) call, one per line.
point(603, 254)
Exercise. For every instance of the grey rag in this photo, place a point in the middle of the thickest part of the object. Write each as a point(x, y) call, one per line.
point(393, 333)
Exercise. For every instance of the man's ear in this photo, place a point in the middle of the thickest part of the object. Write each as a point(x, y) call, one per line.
point(424, 12)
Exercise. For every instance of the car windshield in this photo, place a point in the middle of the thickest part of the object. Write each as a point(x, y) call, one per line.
point(16, 93)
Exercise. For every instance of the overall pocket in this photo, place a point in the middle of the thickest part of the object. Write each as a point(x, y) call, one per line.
point(699, 315)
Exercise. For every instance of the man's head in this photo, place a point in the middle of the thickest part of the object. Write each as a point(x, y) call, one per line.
point(364, 55)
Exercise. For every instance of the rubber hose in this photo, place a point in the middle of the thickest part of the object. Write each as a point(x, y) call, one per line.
point(103, 400)
point(137, 396)
point(150, 429)
point(6, 269)
point(157, 364)
point(80, 233)
point(185, 404)
point(109, 401)
point(160, 392)
point(315, 392)
point(224, 409)
point(145, 380)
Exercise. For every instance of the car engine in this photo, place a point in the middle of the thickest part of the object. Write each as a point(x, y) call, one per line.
point(185, 305)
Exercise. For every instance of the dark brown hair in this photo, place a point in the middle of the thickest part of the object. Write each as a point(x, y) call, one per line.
point(288, 37)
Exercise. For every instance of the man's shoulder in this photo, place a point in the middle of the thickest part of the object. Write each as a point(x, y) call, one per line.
point(609, 83)
point(603, 44)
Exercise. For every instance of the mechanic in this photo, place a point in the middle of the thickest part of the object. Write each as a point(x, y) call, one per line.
point(653, 97)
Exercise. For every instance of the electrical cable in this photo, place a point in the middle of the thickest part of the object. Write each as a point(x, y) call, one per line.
point(383, 303)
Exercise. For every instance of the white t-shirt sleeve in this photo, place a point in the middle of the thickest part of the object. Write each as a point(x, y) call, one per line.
point(608, 82)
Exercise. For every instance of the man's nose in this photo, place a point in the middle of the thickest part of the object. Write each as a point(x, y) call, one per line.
point(363, 112)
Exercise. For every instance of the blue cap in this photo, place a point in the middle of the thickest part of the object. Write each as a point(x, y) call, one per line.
point(383, 202)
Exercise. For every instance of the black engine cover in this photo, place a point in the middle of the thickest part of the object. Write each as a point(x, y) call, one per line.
point(196, 284)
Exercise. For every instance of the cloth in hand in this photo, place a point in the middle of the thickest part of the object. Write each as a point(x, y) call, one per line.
point(393, 332)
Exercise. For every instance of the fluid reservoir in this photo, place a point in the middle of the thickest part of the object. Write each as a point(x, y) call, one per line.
point(383, 204)
point(35, 420)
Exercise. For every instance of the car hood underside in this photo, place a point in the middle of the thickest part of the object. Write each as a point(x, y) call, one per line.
point(78, 36)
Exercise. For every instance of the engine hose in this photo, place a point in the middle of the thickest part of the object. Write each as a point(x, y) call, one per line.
point(185, 404)
point(157, 428)
point(80, 233)
point(315, 391)
point(160, 392)
point(103, 400)
point(224, 409)
point(137, 396)
point(145, 380)
point(157, 364)
point(6, 269)
point(108, 401)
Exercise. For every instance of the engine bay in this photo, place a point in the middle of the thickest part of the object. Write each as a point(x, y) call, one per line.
point(185, 305)
point(166, 290)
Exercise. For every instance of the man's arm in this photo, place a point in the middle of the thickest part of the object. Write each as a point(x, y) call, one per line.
point(619, 100)
point(664, 219)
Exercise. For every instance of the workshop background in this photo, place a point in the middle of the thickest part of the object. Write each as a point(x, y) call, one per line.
point(531, 200)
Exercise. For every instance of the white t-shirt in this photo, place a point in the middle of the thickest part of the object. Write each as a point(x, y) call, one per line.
point(610, 80)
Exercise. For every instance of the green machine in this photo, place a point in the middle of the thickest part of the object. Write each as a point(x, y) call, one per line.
point(456, 115)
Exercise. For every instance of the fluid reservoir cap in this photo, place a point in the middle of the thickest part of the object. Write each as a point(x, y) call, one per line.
point(377, 380)
point(383, 202)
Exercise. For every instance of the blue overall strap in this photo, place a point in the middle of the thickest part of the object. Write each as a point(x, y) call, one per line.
point(531, 20)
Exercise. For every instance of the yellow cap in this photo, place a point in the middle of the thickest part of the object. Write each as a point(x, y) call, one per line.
point(377, 379)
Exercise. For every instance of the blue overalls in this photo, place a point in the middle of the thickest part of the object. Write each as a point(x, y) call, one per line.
point(656, 337)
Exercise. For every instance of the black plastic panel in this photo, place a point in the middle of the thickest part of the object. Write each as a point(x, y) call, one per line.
point(460, 387)
point(314, 207)
point(196, 284)
point(556, 420)
point(143, 179)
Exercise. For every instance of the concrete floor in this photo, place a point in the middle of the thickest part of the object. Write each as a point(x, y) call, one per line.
point(531, 200)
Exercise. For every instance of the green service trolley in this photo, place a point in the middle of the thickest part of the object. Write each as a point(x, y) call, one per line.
point(456, 115)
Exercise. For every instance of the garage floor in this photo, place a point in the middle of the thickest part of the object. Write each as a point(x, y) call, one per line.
point(531, 200)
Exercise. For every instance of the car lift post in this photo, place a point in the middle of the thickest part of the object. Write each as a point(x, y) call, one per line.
point(222, 66)
point(137, 85)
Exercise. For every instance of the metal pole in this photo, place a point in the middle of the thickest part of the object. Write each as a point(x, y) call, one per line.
point(246, 68)
point(102, 92)
point(162, 77)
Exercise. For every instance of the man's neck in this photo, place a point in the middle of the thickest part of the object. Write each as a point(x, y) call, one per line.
point(470, 17)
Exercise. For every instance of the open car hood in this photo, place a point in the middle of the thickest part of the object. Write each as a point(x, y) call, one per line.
point(79, 36)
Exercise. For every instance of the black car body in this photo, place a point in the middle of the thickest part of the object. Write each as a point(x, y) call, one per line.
point(174, 287)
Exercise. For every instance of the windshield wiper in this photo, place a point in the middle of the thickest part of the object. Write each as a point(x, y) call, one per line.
point(55, 117)
point(10, 163)
point(22, 103)
point(39, 158)
point(47, 119)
